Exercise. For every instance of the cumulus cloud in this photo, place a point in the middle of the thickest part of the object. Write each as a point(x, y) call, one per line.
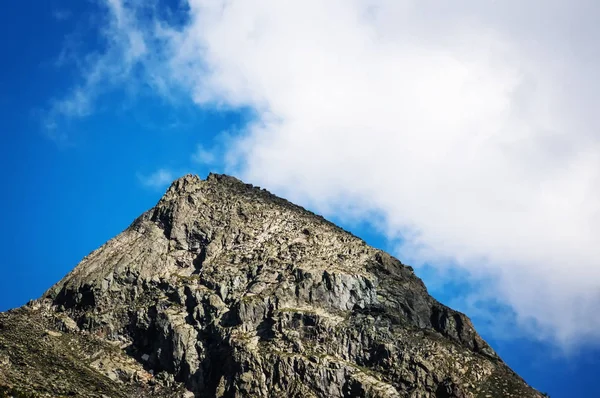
point(468, 129)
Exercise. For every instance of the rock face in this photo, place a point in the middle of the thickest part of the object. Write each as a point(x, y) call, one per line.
point(224, 290)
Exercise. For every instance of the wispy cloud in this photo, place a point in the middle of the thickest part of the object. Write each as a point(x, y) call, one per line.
point(123, 63)
point(159, 179)
point(204, 156)
point(61, 15)
point(468, 127)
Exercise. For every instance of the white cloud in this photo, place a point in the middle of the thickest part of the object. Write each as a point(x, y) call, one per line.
point(160, 179)
point(469, 128)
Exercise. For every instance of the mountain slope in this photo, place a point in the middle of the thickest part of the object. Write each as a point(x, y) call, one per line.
point(223, 289)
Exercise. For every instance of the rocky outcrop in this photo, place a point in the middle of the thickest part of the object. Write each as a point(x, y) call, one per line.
point(225, 290)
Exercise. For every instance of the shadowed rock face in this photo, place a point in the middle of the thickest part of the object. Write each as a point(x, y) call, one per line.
point(225, 290)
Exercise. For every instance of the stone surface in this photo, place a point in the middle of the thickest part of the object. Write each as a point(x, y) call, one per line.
point(224, 290)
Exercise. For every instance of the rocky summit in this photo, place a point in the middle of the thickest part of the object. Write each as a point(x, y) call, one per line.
point(225, 290)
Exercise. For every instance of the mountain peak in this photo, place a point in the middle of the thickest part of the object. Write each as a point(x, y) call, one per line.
point(190, 183)
point(223, 289)
point(184, 184)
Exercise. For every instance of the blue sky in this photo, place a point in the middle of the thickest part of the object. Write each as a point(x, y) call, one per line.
point(451, 148)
